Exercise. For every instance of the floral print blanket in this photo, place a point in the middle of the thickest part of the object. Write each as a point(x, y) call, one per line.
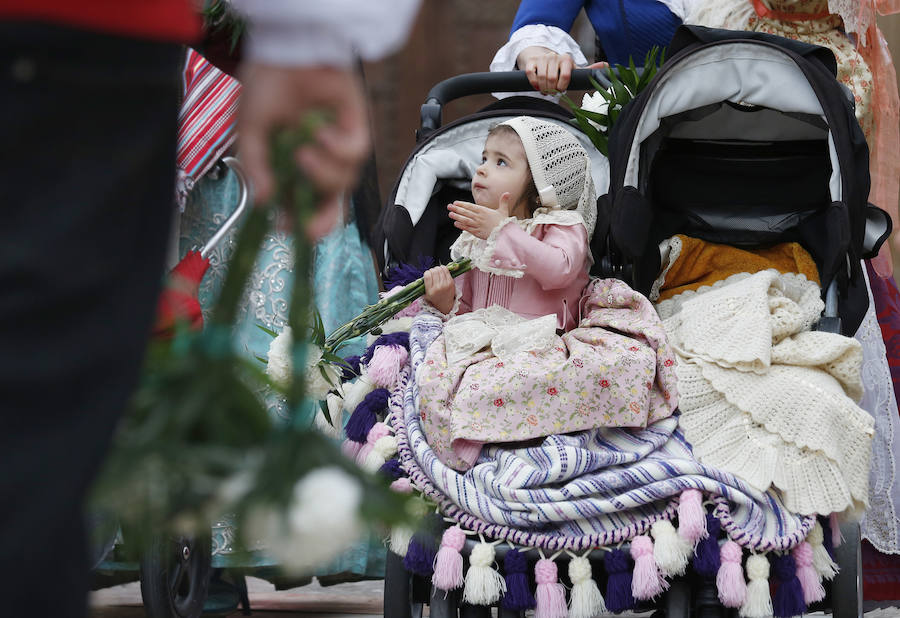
point(614, 370)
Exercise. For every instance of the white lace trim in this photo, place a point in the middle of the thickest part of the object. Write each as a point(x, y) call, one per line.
point(427, 307)
point(880, 525)
point(481, 252)
point(669, 252)
point(504, 331)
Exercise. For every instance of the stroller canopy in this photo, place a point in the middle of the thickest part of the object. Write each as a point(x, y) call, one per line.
point(746, 139)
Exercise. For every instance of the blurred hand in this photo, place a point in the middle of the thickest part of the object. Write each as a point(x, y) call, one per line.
point(276, 97)
point(440, 290)
point(547, 70)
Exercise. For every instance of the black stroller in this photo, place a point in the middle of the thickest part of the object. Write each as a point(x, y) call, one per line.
point(740, 139)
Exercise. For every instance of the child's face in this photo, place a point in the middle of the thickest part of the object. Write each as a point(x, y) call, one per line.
point(503, 169)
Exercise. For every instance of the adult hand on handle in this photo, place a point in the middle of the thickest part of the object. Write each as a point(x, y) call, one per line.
point(547, 70)
point(276, 97)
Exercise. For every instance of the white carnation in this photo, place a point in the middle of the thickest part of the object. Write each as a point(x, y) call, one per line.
point(322, 521)
point(279, 366)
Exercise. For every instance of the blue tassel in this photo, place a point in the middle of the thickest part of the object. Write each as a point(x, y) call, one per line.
point(706, 557)
point(350, 369)
point(391, 468)
point(827, 541)
point(404, 274)
point(518, 595)
point(420, 556)
point(399, 338)
point(618, 582)
point(788, 600)
point(365, 416)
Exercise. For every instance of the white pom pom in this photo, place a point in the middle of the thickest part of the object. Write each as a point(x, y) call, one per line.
point(484, 585)
point(380, 453)
point(585, 600)
point(400, 538)
point(671, 552)
point(356, 392)
point(758, 602)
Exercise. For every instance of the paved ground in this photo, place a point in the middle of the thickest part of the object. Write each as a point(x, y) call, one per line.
point(355, 600)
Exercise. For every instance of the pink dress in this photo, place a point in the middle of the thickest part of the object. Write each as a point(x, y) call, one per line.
point(610, 368)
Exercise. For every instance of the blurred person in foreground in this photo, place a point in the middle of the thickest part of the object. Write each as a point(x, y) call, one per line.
point(89, 98)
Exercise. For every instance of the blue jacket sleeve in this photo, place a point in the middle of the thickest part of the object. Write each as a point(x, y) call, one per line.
point(559, 13)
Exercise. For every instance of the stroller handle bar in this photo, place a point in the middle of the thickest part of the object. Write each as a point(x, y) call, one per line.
point(468, 84)
point(243, 200)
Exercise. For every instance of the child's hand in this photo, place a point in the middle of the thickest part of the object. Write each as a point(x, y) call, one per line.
point(479, 221)
point(440, 290)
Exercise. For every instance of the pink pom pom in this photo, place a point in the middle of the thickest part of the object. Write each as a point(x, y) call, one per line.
point(387, 361)
point(806, 573)
point(835, 525)
point(550, 594)
point(350, 448)
point(402, 485)
point(730, 578)
point(647, 582)
point(448, 564)
point(692, 516)
point(378, 431)
point(363, 453)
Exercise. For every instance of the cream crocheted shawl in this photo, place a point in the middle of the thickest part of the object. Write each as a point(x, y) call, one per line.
point(766, 398)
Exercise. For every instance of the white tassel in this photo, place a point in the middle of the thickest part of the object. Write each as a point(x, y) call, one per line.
point(671, 552)
point(484, 585)
point(585, 600)
point(758, 601)
point(334, 429)
point(356, 392)
point(822, 562)
point(382, 450)
point(400, 538)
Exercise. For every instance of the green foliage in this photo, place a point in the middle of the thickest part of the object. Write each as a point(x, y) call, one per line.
point(626, 84)
point(219, 16)
point(198, 419)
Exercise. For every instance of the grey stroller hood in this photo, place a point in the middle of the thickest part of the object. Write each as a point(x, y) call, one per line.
point(746, 139)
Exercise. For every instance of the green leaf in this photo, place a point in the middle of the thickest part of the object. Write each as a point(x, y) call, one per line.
point(267, 331)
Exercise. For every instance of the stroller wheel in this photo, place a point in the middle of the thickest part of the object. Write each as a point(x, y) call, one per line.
point(398, 590)
point(175, 575)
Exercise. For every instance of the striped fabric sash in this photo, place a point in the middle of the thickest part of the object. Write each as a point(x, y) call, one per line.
point(206, 121)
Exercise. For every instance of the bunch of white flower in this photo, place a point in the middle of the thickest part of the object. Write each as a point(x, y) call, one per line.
point(321, 521)
point(321, 376)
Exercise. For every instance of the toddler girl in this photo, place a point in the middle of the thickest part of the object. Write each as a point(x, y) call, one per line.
point(500, 372)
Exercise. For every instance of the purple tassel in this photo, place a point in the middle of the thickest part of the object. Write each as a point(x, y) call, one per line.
point(399, 338)
point(391, 468)
point(404, 274)
point(827, 540)
point(707, 559)
point(788, 600)
point(364, 416)
point(350, 368)
point(518, 595)
point(420, 556)
point(618, 582)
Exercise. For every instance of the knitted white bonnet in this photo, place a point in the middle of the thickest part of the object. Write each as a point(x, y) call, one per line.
point(560, 166)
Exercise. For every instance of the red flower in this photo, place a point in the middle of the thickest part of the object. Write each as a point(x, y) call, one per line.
point(604, 383)
point(429, 362)
point(666, 395)
point(422, 415)
point(634, 407)
point(532, 420)
point(498, 401)
point(441, 374)
point(551, 391)
point(577, 362)
point(500, 364)
point(634, 348)
point(669, 362)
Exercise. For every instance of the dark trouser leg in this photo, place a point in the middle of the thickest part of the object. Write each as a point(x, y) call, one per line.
point(88, 129)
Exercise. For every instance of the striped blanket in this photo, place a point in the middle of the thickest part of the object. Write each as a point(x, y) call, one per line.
point(587, 489)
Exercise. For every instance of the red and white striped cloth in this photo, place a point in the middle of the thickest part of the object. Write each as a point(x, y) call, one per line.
point(206, 121)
